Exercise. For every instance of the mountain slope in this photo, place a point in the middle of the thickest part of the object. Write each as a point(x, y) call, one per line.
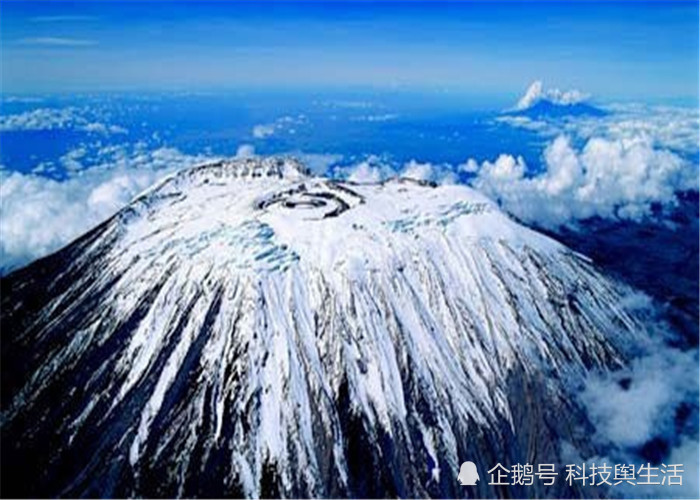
point(245, 329)
point(548, 109)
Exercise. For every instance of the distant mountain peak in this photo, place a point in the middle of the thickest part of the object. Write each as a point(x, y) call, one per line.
point(538, 101)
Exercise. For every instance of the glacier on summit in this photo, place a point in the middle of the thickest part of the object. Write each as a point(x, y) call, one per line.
point(244, 328)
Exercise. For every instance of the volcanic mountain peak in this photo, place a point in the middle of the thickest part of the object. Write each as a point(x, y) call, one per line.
point(244, 328)
point(270, 212)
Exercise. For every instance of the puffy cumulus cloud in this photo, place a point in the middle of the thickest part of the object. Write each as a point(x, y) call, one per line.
point(536, 93)
point(418, 171)
point(57, 118)
point(39, 215)
point(318, 163)
point(365, 173)
point(377, 169)
point(606, 178)
point(504, 168)
point(372, 168)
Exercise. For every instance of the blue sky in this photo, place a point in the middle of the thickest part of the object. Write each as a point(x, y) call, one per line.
point(616, 50)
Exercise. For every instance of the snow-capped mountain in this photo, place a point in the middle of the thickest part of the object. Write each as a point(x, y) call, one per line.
point(244, 328)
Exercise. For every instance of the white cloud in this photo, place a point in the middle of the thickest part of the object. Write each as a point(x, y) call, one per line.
point(639, 404)
point(39, 215)
point(51, 119)
point(376, 169)
point(606, 178)
point(285, 124)
point(71, 161)
point(317, 163)
point(385, 117)
point(245, 151)
point(669, 127)
point(471, 166)
point(630, 158)
point(536, 93)
point(365, 173)
point(673, 128)
point(644, 407)
point(418, 171)
point(528, 123)
point(54, 41)
point(531, 96)
point(101, 128)
point(373, 168)
point(263, 131)
point(688, 454)
point(38, 119)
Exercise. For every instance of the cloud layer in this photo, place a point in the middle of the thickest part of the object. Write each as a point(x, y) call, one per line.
point(52, 118)
point(605, 178)
point(648, 411)
point(40, 215)
point(673, 128)
point(622, 165)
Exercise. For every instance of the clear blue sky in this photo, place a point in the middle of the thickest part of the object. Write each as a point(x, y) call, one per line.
point(615, 50)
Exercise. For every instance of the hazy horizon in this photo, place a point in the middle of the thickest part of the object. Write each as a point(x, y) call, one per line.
point(617, 51)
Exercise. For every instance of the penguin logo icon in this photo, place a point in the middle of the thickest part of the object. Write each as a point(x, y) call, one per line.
point(468, 475)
